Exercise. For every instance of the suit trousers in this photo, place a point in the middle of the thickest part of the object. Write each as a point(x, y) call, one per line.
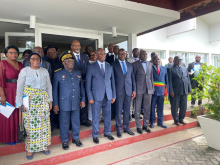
point(176, 101)
point(159, 101)
point(105, 104)
point(65, 118)
point(146, 98)
point(122, 102)
point(195, 84)
point(54, 120)
point(84, 113)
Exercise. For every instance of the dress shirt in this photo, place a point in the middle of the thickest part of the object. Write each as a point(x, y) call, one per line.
point(144, 64)
point(75, 54)
point(136, 59)
point(100, 64)
point(156, 67)
point(122, 65)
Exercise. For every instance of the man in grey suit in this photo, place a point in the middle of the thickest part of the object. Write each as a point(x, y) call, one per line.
point(143, 73)
point(135, 57)
point(179, 86)
point(125, 91)
point(43, 64)
point(101, 93)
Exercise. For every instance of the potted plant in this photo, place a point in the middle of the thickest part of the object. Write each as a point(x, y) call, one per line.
point(209, 79)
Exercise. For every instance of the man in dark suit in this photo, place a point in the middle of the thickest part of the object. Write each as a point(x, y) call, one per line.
point(68, 98)
point(193, 70)
point(143, 73)
point(101, 93)
point(179, 87)
point(125, 91)
point(43, 64)
point(81, 61)
point(160, 81)
point(111, 56)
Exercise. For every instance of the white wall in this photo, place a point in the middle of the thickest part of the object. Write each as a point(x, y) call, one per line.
point(191, 41)
point(214, 33)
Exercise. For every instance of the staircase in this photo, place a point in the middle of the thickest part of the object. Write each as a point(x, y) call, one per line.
point(15, 154)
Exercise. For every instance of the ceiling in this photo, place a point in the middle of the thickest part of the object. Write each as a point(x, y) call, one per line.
point(211, 18)
point(101, 15)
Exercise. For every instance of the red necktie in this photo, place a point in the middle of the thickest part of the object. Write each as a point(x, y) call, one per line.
point(158, 71)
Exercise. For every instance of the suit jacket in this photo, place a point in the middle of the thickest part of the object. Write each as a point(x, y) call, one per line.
point(179, 82)
point(84, 62)
point(191, 66)
point(45, 65)
point(68, 90)
point(110, 59)
point(124, 83)
point(162, 77)
point(144, 81)
point(97, 84)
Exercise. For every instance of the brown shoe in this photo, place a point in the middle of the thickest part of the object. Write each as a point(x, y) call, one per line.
point(176, 123)
point(182, 122)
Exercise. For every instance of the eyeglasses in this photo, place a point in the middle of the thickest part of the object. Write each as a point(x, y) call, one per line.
point(178, 60)
point(69, 60)
point(35, 59)
point(12, 53)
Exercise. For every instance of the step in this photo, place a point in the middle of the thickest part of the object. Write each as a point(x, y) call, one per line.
point(135, 152)
point(84, 133)
point(59, 155)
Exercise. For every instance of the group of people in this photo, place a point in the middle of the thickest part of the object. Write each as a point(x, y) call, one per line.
point(76, 87)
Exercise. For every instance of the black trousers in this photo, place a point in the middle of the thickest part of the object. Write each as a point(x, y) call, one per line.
point(195, 84)
point(176, 102)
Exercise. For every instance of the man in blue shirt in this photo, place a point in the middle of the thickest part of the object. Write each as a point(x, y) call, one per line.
point(193, 70)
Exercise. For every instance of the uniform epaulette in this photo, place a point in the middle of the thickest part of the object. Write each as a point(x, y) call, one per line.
point(57, 70)
point(78, 70)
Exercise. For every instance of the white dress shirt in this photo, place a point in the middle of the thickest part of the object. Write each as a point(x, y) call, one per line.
point(101, 63)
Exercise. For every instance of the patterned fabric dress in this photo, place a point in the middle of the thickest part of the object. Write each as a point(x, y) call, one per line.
point(36, 85)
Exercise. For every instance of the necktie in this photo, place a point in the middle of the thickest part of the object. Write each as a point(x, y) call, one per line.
point(40, 65)
point(158, 70)
point(78, 60)
point(143, 61)
point(180, 69)
point(124, 68)
point(102, 69)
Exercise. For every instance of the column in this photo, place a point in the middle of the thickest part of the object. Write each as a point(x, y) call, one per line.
point(132, 43)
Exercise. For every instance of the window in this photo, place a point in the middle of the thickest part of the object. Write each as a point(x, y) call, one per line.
point(160, 53)
point(189, 57)
point(216, 60)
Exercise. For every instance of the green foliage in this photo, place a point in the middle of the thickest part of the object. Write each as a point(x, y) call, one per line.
point(209, 79)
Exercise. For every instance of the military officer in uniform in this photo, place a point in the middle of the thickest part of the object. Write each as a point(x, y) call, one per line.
point(69, 97)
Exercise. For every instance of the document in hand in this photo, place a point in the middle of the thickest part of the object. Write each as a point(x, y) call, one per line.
point(7, 109)
point(26, 101)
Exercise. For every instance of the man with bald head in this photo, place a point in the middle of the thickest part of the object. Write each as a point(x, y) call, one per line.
point(193, 70)
point(81, 62)
point(101, 93)
point(43, 64)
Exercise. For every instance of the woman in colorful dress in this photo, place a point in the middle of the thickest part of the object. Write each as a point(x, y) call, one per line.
point(34, 82)
point(9, 71)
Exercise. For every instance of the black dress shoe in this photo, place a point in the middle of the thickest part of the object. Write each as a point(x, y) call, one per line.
point(96, 140)
point(65, 145)
point(119, 134)
point(129, 132)
point(77, 142)
point(177, 123)
point(87, 124)
point(182, 122)
point(146, 129)
point(110, 137)
point(139, 131)
point(141, 117)
point(132, 115)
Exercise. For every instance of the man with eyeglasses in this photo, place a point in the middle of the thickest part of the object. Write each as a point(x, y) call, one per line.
point(81, 61)
point(179, 87)
point(43, 64)
point(68, 99)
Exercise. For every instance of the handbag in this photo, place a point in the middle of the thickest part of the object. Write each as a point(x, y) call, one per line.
point(21, 130)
